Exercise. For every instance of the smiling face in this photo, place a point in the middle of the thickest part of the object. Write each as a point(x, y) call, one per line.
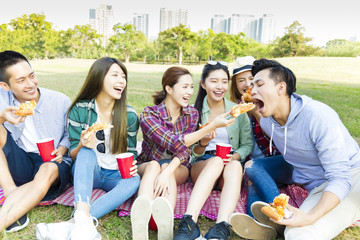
point(216, 85)
point(243, 81)
point(266, 94)
point(22, 82)
point(114, 82)
point(181, 92)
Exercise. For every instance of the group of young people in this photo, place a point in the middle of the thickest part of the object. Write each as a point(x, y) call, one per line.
point(313, 149)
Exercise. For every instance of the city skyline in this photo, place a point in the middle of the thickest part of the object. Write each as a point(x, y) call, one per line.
point(323, 21)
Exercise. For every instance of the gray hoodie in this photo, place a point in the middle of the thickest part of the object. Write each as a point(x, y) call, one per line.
point(317, 144)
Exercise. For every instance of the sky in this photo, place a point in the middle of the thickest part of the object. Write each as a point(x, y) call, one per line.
point(323, 20)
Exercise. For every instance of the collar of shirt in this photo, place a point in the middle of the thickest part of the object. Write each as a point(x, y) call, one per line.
point(164, 113)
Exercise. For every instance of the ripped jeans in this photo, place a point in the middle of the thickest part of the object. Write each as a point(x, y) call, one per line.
point(89, 175)
point(266, 175)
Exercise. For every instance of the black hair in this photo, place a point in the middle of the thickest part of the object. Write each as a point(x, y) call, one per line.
point(7, 59)
point(208, 68)
point(278, 73)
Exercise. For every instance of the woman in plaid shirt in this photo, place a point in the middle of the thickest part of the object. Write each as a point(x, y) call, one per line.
point(168, 130)
point(101, 99)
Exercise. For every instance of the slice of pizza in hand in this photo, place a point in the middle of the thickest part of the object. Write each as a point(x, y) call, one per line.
point(26, 108)
point(236, 110)
point(247, 95)
point(277, 210)
point(96, 127)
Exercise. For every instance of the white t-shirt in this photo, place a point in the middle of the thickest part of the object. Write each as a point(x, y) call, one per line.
point(221, 137)
point(108, 159)
point(29, 136)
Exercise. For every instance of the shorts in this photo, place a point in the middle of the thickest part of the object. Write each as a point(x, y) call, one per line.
point(23, 167)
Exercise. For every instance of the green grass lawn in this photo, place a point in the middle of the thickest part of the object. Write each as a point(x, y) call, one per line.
point(334, 81)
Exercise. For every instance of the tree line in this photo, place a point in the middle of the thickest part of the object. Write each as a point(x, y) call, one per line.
point(36, 38)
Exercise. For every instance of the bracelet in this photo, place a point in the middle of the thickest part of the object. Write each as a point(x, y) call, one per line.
point(203, 145)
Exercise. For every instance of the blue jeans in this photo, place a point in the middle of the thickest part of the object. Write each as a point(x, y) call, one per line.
point(88, 175)
point(266, 175)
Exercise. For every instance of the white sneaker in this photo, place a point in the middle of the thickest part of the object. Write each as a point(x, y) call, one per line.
point(163, 215)
point(53, 231)
point(247, 227)
point(262, 218)
point(140, 216)
point(84, 228)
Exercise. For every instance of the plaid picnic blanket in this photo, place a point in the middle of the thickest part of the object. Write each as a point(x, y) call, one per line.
point(210, 208)
point(297, 196)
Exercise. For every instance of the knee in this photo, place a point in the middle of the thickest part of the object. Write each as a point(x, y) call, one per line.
point(153, 166)
point(48, 173)
point(216, 162)
point(86, 154)
point(233, 168)
point(249, 167)
point(3, 136)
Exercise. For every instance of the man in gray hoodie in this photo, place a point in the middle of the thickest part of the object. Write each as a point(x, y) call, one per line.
point(312, 138)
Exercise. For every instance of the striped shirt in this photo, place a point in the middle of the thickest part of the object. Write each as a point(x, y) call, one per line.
point(84, 114)
point(161, 135)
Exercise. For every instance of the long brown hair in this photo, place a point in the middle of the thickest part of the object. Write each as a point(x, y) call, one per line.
point(235, 95)
point(93, 86)
point(170, 78)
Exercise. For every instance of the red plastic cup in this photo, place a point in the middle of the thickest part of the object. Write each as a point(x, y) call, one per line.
point(125, 162)
point(223, 149)
point(46, 147)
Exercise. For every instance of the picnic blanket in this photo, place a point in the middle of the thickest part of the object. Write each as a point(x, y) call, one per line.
point(210, 208)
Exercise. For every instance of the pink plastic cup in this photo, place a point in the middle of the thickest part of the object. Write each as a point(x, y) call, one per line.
point(46, 147)
point(125, 162)
point(223, 149)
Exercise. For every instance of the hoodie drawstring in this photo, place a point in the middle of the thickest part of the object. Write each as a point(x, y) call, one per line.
point(272, 132)
point(285, 140)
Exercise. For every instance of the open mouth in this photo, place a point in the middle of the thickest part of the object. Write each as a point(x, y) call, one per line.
point(259, 104)
point(186, 99)
point(218, 93)
point(118, 89)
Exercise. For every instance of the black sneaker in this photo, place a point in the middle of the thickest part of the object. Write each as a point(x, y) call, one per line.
point(220, 231)
point(188, 229)
point(18, 225)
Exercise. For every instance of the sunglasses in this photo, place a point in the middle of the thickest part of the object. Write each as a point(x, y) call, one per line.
point(101, 137)
point(216, 62)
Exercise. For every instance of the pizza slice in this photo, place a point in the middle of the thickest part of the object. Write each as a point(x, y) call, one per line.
point(247, 95)
point(241, 108)
point(26, 108)
point(96, 127)
point(277, 210)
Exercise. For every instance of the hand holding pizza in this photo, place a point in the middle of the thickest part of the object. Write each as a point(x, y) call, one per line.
point(7, 116)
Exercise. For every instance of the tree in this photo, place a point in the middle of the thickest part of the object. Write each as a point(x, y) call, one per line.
point(342, 48)
point(228, 46)
point(180, 38)
point(83, 42)
point(127, 40)
point(293, 43)
point(203, 48)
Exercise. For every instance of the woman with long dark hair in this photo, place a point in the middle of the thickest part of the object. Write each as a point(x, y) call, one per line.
point(208, 170)
point(101, 99)
point(168, 130)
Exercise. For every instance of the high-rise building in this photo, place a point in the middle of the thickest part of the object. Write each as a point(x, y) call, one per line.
point(240, 23)
point(219, 24)
point(266, 29)
point(170, 19)
point(102, 20)
point(141, 22)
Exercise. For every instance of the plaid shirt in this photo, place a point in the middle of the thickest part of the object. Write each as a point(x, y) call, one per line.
point(84, 114)
point(261, 139)
point(161, 135)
